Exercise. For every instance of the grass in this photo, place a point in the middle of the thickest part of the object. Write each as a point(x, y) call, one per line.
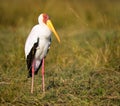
point(83, 70)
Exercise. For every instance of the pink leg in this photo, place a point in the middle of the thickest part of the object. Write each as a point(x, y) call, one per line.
point(33, 70)
point(43, 83)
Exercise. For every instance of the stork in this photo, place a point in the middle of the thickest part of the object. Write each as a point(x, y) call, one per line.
point(37, 46)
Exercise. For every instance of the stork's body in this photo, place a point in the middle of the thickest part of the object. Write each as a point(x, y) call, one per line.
point(37, 46)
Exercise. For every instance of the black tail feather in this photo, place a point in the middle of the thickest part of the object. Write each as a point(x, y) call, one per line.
point(30, 58)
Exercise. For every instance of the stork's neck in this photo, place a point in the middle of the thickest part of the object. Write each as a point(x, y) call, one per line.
point(44, 31)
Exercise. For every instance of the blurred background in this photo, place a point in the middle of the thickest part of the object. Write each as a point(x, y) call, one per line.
point(88, 14)
point(83, 70)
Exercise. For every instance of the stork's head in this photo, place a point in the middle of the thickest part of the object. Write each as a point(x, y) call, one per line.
point(44, 19)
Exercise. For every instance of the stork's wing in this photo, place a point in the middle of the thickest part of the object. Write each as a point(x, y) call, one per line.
point(32, 39)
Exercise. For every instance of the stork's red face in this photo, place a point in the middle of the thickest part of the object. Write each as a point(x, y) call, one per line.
point(48, 22)
point(45, 18)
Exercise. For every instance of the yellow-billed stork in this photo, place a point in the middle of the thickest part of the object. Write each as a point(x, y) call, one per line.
point(37, 46)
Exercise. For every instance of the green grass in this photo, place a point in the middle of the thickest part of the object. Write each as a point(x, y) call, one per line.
point(83, 70)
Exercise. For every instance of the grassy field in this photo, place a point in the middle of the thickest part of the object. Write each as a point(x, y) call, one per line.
point(83, 70)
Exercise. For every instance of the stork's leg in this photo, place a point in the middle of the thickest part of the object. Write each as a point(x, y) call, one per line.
point(43, 83)
point(33, 70)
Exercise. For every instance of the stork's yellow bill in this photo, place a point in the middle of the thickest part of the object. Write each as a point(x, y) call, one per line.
point(50, 25)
